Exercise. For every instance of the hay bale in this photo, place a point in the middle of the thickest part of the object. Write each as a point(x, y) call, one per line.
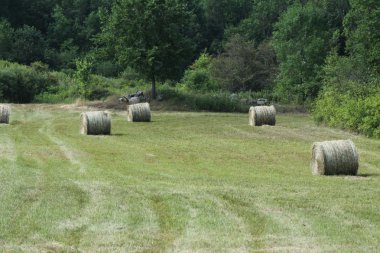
point(5, 111)
point(262, 115)
point(334, 158)
point(95, 123)
point(139, 112)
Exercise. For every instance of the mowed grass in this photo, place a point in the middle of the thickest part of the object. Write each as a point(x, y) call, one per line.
point(186, 182)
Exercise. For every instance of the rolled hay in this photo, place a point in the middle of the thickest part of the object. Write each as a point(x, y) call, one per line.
point(262, 115)
point(95, 123)
point(338, 157)
point(139, 112)
point(5, 111)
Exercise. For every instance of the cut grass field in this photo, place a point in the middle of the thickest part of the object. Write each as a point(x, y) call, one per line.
point(185, 182)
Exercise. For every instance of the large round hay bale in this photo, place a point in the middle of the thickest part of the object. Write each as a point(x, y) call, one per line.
point(5, 111)
point(95, 123)
point(262, 115)
point(139, 112)
point(334, 158)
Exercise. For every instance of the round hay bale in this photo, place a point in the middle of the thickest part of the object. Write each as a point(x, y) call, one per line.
point(262, 115)
point(139, 112)
point(5, 111)
point(334, 158)
point(95, 123)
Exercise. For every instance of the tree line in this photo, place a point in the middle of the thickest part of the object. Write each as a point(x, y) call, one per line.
point(301, 51)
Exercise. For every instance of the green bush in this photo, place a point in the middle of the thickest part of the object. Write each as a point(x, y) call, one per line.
point(268, 94)
point(198, 76)
point(53, 98)
point(210, 101)
point(67, 88)
point(356, 113)
point(371, 119)
point(20, 84)
point(350, 98)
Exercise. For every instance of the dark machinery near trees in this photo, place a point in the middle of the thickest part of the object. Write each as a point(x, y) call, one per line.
point(133, 98)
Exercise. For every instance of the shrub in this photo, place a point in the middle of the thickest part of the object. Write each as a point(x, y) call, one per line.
point(66, 89)
point(20, 84)
point(198, 76)
point(370, 124)
point(210, 101)
point(356, 113)
point(39, 66)
point(129, 74)
point(350, 98)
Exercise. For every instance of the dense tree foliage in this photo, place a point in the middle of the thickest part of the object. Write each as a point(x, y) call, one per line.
point(243, 67)
point(156, 37)
point(6, 39)
point(351, 83)
point(160, 39)
point(258, 26)
point(221, 14)
point(362, 29)
point(300, 40)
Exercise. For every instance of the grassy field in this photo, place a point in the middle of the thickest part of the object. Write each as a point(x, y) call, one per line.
point(186, 182)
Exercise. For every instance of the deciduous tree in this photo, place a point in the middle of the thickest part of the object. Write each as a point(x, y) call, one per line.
point(243, 67)
point(301, 41)
point(156, 37)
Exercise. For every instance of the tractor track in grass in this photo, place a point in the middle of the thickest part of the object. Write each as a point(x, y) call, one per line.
point(70, 153)
point(86, 225)
point(197, 236)
point(7, 149)
point(144, 199)
point(51, 179)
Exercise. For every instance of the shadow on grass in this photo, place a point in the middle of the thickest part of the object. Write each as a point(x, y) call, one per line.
point(16, 122)
point(369, 175)
point(141, 122)
point(118, 134)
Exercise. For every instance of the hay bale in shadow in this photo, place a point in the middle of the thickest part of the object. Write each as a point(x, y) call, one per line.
point(139, 112)
point(95, 123)
point(5, 111)
point(334, 158)
point(262, 115)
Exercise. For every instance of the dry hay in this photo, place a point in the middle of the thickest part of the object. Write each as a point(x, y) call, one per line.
point(334, 158)
point(139, 112)
point(262, 115)
point(5, 111)
point(95, 123)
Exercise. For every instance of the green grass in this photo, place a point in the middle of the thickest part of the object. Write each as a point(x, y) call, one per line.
point(204, 182)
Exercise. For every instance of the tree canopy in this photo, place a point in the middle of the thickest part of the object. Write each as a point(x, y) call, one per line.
point(284, 45)
point(156, 37)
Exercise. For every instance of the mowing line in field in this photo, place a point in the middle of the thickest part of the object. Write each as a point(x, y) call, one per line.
point(69, 153)
point(186, 182)
point(7, 148)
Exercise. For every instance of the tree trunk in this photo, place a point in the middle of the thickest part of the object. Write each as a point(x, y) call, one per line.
point(154, 95)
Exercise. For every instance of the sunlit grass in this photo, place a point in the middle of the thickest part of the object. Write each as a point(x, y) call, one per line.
point(184, 182)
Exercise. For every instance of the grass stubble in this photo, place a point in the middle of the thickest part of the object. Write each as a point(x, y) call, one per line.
point(186, 182)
